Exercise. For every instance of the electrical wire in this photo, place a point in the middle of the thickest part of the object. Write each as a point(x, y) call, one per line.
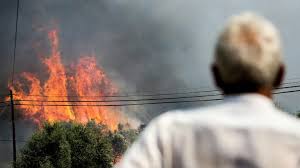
point(10, 140)
point(23, 141)
point(141, 99)
point(116, 105)
point(150, 95)
point(144, 103)
point(121, 100)
point(128, 95)
point(290, 91)
point(4, 95)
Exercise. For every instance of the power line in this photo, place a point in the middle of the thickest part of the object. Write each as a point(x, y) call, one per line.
point(152, 94)
point(290, 91)
point(126, 95)
point(121, 100)
point(287, 87)
point(10, 140)
point(116, 105)
point(144, 94)
point(167, 102)
point(4, 95)
point(291, 82)
point(291, 79)
point(144, 103)
point(141, 99)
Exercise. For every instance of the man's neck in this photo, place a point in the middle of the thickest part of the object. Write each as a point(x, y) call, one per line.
point(263, 91)
point(266, 92)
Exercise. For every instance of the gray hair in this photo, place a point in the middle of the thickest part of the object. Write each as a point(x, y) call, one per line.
point(248, 49)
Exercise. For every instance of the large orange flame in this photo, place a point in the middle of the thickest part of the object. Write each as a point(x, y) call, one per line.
point(88, 82)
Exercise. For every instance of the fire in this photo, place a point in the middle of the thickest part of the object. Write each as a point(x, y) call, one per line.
point(56, 99)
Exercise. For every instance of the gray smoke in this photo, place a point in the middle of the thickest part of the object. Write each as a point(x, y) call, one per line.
point(143, 45)
point(139, 47)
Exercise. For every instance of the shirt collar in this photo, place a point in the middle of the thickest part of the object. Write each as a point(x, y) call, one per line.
point(251, 98)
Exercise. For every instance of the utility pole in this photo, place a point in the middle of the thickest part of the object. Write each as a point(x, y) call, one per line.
point(13, 127)
point(12, 84)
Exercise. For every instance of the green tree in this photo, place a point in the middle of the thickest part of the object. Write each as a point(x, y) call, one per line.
point(121, 139)
point(298, 114)
point(66, 145)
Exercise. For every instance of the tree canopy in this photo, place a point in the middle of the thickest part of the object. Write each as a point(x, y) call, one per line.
point(67, 144)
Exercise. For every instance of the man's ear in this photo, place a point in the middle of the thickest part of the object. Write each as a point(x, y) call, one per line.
point(217, 77)
point(279, 77)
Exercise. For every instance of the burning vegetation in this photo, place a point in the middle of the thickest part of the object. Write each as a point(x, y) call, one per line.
point(65, 96)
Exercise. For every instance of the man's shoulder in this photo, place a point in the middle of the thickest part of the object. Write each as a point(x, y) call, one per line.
point(218, 111)
point(224, 115)
point(194, 116)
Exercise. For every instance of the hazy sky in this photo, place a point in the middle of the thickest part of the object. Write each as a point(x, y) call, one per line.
point(143, 45)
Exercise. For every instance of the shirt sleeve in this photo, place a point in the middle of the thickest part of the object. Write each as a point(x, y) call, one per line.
point(145, 152)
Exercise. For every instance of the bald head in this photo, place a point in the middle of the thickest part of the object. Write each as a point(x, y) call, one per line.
point(248, 55)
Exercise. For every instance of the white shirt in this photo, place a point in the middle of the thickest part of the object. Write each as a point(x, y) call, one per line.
point(245, 131)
